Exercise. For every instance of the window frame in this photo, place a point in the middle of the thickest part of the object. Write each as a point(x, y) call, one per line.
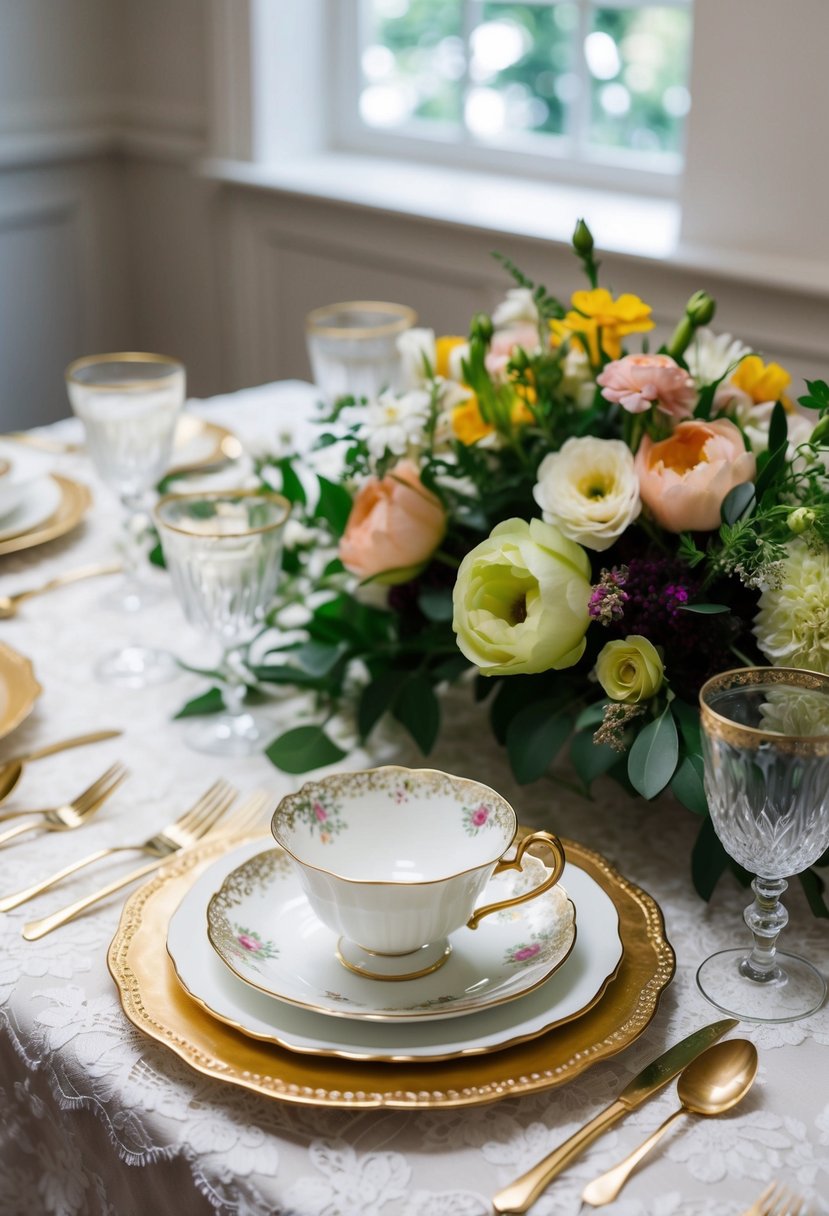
point(541, 157)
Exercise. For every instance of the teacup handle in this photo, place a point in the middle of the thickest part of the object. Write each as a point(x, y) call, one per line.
point(544, 838)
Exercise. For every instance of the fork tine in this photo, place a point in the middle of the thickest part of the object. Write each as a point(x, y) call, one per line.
point(218, 790)
point(106, 784)
point(210, 815)
point(246, 818)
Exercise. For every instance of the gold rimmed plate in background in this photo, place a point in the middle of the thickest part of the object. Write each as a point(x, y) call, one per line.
point(75, 500)
point(18, 689)
point(154, 1001)
point(199, 444)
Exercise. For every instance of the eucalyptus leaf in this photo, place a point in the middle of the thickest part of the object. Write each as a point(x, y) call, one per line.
point(417, 708)
point(210, 702)
point(591, 760)
point(708, 860)
point(738, 502)
point(592, 715)
point(302, 749)
point(813, 888)
point(377, 698)
point(687, 784)
point(653, 756)
point(705, 609)
point(436, 603)
point(534, 738)
point(688, 721)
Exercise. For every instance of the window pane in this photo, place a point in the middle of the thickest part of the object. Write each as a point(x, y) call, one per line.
point(637, 60)
point(413, 62)
point(522, 71)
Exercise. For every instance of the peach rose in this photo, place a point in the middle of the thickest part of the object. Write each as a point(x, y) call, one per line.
point(637, 381)
point(683, 480)
point(504, 342)
point(394, 527)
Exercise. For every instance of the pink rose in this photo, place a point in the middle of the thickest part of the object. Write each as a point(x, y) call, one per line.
point(504, 342)
point(394, 527)
point(637, 381)
point(684, 479)
point(250, 943)
point(521, 956)
point(480, 816)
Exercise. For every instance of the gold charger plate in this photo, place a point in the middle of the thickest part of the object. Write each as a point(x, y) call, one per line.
point(18, 689)
point(225, 445)
point(154, 1002)
point(75, 501)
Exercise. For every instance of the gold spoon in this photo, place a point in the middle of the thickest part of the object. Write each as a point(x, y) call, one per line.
point(9, 603)
point(710, 1085)
point(10, 770)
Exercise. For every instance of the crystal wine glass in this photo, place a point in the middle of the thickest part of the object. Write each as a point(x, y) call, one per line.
point(223, 550)
point(352, 346)
point(766, 753)
point(129, 404)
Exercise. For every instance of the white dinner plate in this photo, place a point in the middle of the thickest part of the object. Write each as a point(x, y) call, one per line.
point(38, 500)
point(575, 987)
point(264, 930)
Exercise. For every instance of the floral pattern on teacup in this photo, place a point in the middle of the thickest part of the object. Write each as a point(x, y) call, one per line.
point(247, 943)
point(525, 952)
point(323, 816)
point(475, 818)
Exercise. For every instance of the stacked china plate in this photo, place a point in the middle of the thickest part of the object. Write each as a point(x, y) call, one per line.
point(35, 506)
point(395, 920)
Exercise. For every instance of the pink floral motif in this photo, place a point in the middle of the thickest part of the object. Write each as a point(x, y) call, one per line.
point(320, 812)
point(480, 816)
point(250, 943)
point(400, 795)
point(475, 818)
point(524, 954)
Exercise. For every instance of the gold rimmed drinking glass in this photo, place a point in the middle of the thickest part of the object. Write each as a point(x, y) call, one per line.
point(129, 403)
point(353, 346)
point(223, 550)
point(766, 751)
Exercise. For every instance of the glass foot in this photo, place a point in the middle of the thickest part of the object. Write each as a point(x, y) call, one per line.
point(794, 990)
point(242, 734)
point(137, 667)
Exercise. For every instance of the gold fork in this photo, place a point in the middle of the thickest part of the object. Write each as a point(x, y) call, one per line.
point(778, 1200)
point(72, 814)
point(242, 822)
point(182, 831)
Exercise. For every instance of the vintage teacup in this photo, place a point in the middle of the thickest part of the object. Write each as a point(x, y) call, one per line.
point(394, 859)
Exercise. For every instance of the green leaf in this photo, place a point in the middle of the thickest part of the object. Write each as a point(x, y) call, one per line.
point(335, 566)
point(157, 556)
point(378, 698)
point(705, 609)
point(292, 487)
point(450, 669)
point(687, 717)
point(591, 760)
point(708, 860)
point(818, 397)
point(592, 715)
point(813, 888)
point(334, 505)
point(687, 785)
point(302, 749)
point(534, 738)
point(417, 708)
point(436, 603)
point(284, 673)
point(514, 694)
point(778, 427)
point(653, 756)
point(774, 465)
point(738, 502)
point(318, 658)
point(211, 702)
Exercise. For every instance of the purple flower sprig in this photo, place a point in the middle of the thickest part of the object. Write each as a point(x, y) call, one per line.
point(608, 599)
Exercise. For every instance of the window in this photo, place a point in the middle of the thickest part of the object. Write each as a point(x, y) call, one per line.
point(601, 88)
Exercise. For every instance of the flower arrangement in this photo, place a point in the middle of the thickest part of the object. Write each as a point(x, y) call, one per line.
point(589, 530)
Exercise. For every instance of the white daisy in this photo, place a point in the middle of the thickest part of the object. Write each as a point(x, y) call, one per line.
point(395, 424)
point(711, 355)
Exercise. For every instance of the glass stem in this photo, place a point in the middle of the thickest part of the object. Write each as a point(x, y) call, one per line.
point(134, 536)
point(766, 918)
point(234, 685)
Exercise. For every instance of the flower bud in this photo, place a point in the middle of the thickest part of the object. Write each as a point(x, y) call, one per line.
point(582, 239)
point(481, 327)
point(700, 309)
point(519, 360)
point(800, 520)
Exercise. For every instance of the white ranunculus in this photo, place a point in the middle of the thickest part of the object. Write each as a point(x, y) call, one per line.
point(589, 490)
point(396, 424)
point(414, 346)
point(518, 308)
point(709, 356)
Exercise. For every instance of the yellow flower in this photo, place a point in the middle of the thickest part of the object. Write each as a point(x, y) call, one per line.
point(597, 316)
point(761, 381)
point(630, 670)
point(443, 350)
point(469, 427)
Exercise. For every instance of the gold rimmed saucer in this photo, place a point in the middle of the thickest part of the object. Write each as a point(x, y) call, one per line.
point(154, 1002)
point(18, 689)
point(75, 501)
point(218, 444)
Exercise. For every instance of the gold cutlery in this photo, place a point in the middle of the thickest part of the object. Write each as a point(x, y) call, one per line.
point(11, 770)
point(241, 823)
point(185, 830)
point(519, 1195)
point(778, 1200)
point(10, 603)
point(710, 1085)
point(57, 446)
point(72, 814)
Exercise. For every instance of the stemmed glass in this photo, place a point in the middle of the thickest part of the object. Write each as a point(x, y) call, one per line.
point(129, 404)
point(766, 753)
point(223, 550)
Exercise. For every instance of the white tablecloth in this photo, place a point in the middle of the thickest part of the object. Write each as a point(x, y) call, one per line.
point(97, 1119)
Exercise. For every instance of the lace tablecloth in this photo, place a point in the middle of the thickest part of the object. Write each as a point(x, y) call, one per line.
point(97, 1119)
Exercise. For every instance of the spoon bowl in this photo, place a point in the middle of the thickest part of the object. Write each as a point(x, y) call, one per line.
point(10, 774)
point(710, 1085)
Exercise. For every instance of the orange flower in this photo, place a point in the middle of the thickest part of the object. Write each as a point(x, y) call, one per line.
point(596, 315)
point(394, 527)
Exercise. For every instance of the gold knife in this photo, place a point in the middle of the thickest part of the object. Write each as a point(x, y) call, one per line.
point(524, 1191)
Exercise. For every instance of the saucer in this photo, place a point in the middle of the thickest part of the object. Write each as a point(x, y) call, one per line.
point(575, 988)
point(262, 927)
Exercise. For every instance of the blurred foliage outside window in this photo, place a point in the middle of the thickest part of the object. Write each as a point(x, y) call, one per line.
point(603, 80)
